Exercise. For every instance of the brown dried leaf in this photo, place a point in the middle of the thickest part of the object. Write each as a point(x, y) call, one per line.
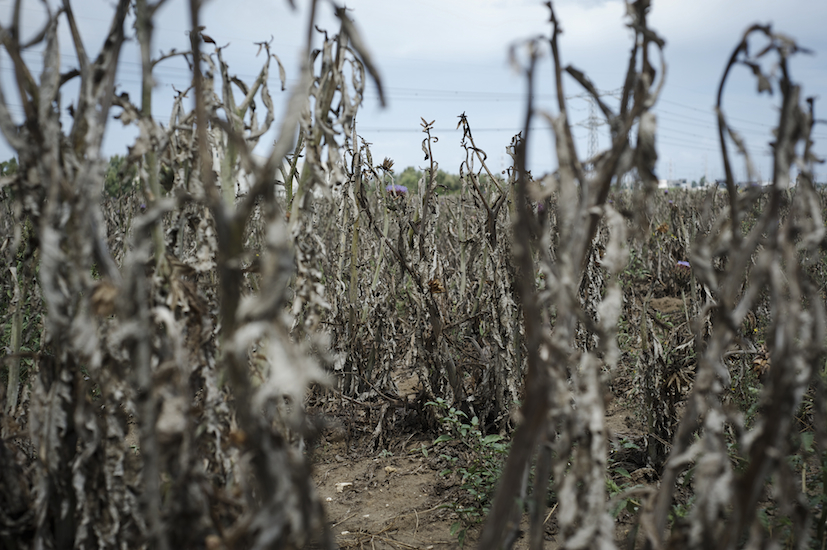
point(104, 297)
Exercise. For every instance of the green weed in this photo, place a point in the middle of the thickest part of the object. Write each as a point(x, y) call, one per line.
point(478, 470)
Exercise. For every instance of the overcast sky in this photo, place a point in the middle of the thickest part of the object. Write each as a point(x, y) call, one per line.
point(440, 58)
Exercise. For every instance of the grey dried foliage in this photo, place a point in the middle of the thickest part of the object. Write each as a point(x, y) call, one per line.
point(164, 342)
point(571, 322)
point(141, 412)
point(423, 291)
point(735, 268)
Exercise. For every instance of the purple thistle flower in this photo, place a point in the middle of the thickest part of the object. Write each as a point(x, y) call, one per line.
point(397, 190)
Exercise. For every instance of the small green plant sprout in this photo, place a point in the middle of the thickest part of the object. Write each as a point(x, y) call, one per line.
point(478, 472)
point(619, 482)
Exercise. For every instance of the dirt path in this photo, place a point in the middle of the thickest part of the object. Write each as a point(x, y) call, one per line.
point(390, 502)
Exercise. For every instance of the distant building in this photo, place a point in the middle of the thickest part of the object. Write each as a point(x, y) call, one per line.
point(674, 184)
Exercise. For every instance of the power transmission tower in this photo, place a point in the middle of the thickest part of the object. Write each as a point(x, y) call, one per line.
point(593, 122)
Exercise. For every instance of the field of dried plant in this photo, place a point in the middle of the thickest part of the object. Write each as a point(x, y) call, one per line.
point(530, 361)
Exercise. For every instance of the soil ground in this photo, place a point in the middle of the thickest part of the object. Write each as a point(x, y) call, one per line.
point(399, 500)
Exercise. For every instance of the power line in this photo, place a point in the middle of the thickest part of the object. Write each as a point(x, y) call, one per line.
point(710, 112)
point(130, 73)
point(133, 75)
point(445, 129)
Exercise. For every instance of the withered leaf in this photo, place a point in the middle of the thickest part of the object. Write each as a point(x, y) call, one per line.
point(435, 286)
point(104, 297)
